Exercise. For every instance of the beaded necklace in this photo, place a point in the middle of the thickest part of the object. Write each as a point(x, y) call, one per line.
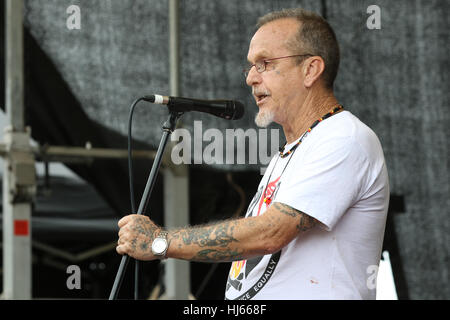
point(268, 199)
point(329, 114)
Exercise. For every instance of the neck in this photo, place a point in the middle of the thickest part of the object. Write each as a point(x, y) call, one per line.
point(309, 111)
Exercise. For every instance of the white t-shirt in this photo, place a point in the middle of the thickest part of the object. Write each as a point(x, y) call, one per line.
point(338, 176)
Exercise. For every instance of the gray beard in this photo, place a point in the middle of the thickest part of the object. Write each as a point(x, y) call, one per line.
point(263, 118)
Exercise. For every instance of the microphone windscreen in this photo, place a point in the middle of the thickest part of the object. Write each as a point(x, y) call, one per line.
point(239, 110)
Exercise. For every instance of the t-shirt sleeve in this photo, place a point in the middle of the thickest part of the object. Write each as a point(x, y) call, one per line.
point(326, 180)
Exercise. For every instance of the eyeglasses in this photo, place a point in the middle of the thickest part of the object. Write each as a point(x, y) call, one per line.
point(262, 64)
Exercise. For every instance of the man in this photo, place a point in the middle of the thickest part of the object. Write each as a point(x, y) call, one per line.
point(315, 227)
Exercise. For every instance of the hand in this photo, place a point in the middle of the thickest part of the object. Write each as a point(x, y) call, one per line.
point(136, 235)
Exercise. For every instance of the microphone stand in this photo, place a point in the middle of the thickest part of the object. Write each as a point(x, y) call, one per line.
point(168, 128)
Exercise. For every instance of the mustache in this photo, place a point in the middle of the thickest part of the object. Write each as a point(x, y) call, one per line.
point(259, 92)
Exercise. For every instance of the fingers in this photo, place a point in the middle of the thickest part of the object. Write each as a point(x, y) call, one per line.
point(121, 243)
point(123, 230)
point(124, 220)
point(121, 249)
point(122, 223)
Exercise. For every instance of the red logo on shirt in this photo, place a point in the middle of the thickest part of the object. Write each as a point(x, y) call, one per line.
point(268, 193)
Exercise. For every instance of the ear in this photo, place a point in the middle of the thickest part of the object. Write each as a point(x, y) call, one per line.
point(312, 69)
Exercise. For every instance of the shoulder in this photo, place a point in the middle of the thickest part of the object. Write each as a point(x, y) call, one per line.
point(345, 130)
point(345, 125)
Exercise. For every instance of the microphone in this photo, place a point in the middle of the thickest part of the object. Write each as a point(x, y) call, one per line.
point(227, 109)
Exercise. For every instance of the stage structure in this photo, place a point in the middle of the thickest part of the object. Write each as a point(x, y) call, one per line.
point(19, 181)
point(390, 76)
point(19, 172)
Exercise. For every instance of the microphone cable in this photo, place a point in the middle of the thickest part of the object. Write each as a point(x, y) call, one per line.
point(131, 183)
point(130, 160)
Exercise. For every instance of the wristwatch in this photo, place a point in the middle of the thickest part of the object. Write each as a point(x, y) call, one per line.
point(160, 245)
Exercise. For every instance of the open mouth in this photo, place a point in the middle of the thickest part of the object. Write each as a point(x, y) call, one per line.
point(260, 98)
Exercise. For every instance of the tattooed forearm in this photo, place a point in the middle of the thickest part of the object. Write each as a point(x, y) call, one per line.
point(218, 255)
point(238, 239)
point(286, 209)
point(305, 222)
point(214, 242)
point(219, 235)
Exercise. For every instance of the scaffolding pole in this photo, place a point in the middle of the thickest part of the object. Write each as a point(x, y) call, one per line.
point(19, 180)
point(176, 181)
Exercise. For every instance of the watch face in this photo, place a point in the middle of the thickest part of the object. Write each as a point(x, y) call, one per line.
point(159, 245)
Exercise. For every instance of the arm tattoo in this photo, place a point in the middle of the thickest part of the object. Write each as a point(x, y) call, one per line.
point(213, 239)
point(218, 255)
point(210, 236)
point(305, 222)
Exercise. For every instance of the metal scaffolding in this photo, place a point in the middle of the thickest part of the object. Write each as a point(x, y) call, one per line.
point(19, 179)
point(176, 182)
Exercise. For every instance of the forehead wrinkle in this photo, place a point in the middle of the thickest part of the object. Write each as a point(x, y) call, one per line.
point(261, 54)
point(275, 35)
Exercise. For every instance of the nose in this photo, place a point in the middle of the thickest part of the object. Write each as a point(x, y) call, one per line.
point(253, 77)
